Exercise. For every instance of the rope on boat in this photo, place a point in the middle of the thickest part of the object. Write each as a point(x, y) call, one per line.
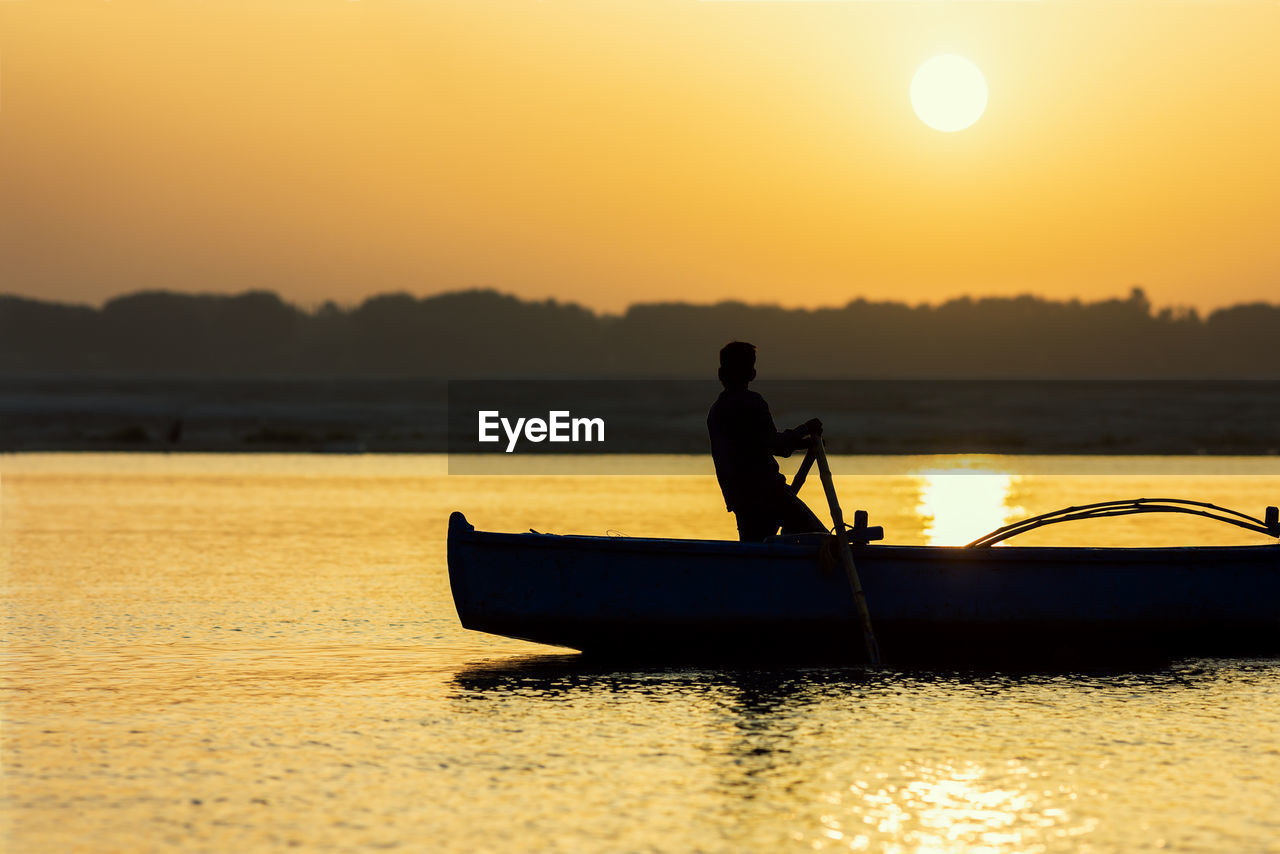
point(1127, 507)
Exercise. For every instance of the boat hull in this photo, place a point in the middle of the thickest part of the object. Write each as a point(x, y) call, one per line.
point(698, 599)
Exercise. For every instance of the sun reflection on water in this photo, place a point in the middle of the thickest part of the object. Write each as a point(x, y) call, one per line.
point(958, 506)
point(944, 809)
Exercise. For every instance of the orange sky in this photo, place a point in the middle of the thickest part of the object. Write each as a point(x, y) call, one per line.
point(611, 152)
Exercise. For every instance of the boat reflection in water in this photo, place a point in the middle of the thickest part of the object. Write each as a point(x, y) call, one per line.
point(850, 759)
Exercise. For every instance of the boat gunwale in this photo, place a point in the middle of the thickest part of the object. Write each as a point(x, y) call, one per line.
point(880, 551)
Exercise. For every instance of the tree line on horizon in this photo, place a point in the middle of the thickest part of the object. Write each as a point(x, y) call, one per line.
point(487, 334)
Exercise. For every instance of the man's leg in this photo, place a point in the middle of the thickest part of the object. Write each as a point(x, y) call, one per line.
point(797, 518)
point(755, 524)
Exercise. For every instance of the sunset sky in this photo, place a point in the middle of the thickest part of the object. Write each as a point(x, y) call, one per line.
point(615, 152)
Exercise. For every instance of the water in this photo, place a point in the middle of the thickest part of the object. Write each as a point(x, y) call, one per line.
point(260, 652)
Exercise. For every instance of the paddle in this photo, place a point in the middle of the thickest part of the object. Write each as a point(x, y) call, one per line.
point(803, 471)
point(846, 555)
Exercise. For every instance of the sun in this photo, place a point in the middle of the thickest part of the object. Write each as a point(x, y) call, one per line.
point(948, 93)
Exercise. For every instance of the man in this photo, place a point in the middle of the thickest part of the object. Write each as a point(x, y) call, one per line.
point(744, 442)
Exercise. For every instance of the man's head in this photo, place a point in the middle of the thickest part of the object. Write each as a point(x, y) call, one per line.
point(737, 363)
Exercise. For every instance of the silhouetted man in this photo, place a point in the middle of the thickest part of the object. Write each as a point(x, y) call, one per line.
point(744, 442)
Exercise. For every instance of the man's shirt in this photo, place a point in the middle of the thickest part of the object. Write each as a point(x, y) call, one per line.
point(744, 442)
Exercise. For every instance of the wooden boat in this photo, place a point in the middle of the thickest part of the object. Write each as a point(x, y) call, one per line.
point(786, 598)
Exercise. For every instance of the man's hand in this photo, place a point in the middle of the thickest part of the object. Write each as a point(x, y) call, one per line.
point(814, 426)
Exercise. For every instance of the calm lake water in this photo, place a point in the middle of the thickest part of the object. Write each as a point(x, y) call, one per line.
point(261, 652)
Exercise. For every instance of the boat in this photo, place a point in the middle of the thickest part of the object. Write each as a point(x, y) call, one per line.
point(786, 599)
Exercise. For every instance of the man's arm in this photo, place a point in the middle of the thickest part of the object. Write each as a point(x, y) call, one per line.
point(785, 441)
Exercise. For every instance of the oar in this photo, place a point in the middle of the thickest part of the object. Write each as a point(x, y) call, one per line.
point(846, 556)
point(803, 471)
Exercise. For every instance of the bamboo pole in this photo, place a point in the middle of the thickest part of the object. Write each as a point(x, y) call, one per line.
point(846, 555)
point(803, 471)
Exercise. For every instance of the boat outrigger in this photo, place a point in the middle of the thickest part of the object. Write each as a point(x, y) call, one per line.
point(787, 598)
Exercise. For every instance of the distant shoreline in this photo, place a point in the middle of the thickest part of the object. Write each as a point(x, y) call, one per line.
point(891, 418)
point(487, 334)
